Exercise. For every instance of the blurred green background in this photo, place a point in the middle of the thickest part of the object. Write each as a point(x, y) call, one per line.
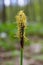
point(8, 25)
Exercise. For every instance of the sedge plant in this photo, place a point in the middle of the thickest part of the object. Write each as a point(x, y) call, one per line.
point(21, 23)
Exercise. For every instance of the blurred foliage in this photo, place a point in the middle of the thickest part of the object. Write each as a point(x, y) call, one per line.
point(32, 28)
point(34, 13)
point(11, 30)
point(38, 57)
point(33, 10)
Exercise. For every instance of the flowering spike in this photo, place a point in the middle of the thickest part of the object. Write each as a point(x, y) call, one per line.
point(21, 18)
point(21, 21)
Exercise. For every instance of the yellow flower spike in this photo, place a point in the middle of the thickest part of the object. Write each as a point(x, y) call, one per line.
point(21, 18)
point(21, 22)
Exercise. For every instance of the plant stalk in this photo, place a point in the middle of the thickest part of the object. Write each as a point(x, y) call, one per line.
point(21, 62)
point(22, 43)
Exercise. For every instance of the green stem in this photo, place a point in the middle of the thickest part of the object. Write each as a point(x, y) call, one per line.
point(21, 61)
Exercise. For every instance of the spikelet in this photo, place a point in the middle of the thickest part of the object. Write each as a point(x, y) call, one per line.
point(21, 18)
